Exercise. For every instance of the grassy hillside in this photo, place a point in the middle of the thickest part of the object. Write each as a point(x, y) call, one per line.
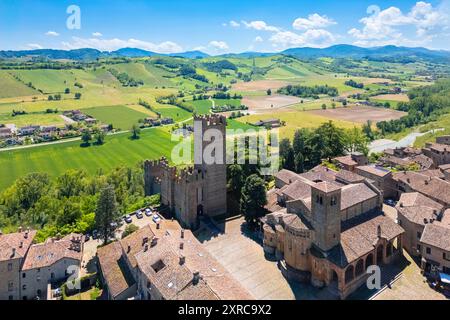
point(10, 87)
point(121, 117)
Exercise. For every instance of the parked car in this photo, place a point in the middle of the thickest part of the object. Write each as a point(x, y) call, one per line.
point(114, 225)
point(128, 219)
point(390, 202)
point(156, 218)
point(139, 214)
point(148, 212)
point(95, 235)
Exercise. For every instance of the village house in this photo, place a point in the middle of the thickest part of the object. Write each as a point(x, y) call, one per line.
point(382, 179)
point(431, 187)
point(5, 133)
point(52, 262)
point(415, 211)
point(435, 249)
point(165, 262)
point(440, 153)
point(13, 250)
point(29, 130)
point(443, 140)
point(351, 161)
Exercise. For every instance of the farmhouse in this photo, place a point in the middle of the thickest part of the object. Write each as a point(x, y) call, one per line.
point(28, 131)
point(5, 133)
point(271, 123)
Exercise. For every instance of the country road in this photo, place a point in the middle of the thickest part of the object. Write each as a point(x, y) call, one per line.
point(408, 141)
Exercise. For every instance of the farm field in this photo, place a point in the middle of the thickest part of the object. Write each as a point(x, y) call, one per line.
point(392, 97)
point(10, 87)
point(119, 150)
point(360, 114)
point(121, 117)
point(44, 119)
point(295, 120)
point(261, 104)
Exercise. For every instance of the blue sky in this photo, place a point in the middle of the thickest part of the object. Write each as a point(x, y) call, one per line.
point(215, 27)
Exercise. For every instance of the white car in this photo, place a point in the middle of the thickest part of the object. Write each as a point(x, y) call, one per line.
point(148, 212)
point(156, 218)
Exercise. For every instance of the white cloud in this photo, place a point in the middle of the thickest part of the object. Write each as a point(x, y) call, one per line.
point(312, 38)
point(97, 34)
point(314, 21)
point(234, 24)
point(34, 46)
point(219, 45)
point(258, 39)
point(260, 26)
point(388, 26)
point(114, 44)
point(52, 34)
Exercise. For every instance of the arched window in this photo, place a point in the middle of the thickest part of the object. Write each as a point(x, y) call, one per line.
point(359, 270)
point(349, 274)
point(369, 260)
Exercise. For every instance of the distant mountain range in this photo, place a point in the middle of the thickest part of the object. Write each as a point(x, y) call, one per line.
point(337, 51)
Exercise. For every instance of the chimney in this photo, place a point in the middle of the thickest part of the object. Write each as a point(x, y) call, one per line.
point(379, 231)
point(426, 182)
point(13, 252)
point(182, 233)
point(146, 247)
point(158, 226)
point(196, 278)
point(129, 249)
point(182, 260)
point(181, 245)
point(21, 245)
point(26, 235)
point(154, 241)
point(425, 221)
point(20, 229)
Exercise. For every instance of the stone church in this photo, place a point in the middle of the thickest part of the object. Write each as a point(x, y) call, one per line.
point(330, 229)
point(198, 190)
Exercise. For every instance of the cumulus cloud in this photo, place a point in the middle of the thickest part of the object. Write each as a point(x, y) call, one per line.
point(34, 46)
point(387, 26)
point(114, 44)
point(260, 26)
point(52, 34)
point(219, 45)
point(97, 34)
point(314, 21)
point(258, 39)
point(312, 37)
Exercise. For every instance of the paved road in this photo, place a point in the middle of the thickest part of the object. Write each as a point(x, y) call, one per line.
point(408, 141)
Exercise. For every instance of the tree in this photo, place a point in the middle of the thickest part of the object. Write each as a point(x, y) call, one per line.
point(269, 92)
point(67, 91)
point(99, 138)
point(253, 199)
point(299, 163)
point(86, 137)
point(287, 154)
point(324, 106)
point(135, 131)
point(235, 179)
point(77, 96)
point(129, 230)
point(106, 212)
point(70, 184)
point(301, 137)
point(367, 129)
point(31, 188)
point(356, 141)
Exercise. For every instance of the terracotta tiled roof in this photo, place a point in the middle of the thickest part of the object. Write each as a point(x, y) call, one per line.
point(446, 218)
point(135, 243)
point(349, 177)
point(439, 147)
point(377, 171)
point(419, 215)
point(416, 199)
point(346, 160)
point(424, 161)
point(431, 187)
point(360, 235)
point(287, 176)
point(297, 190)
point(437, 236)
point(114, 269)
point(326, 187)
point(17, 243)
point(321, 173)
point(433, 173)
point(445, 167)
point(354, 194)
point(395, 160)
point(52, 251)
point(197, 259)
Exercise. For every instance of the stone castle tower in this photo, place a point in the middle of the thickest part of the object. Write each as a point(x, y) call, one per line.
point(198, 190)
point(326, 215)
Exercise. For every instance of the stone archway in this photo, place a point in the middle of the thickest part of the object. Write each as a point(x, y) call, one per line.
point(359, 270)
point(349, 274)
point(380, 254)
point(369, 260)
point(200, 210)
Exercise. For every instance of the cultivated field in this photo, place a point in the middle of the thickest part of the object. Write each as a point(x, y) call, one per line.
point(360, 114)
point(260, 85)
point(121, 117)
point(392, 97)
point(262, 104)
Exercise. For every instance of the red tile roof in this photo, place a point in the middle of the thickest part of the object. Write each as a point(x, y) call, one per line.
point(15, 245)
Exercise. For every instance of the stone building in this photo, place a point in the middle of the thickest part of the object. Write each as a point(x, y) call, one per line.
point(381, 178)
point(197, 190)
point(443, 140)
point(330, 233)
point(49, 263)
point(415, 211)
point(435, 248)
point(13, 250)
point(351, 161)
point(165, 262)
point(440, 153)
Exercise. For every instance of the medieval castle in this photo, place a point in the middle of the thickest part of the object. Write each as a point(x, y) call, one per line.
point(196, 190)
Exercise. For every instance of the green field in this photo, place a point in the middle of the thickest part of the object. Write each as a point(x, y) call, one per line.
point(43, 119)
point(119, 150)
point(204, 106)
point(121, 117)
point(10, 87)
